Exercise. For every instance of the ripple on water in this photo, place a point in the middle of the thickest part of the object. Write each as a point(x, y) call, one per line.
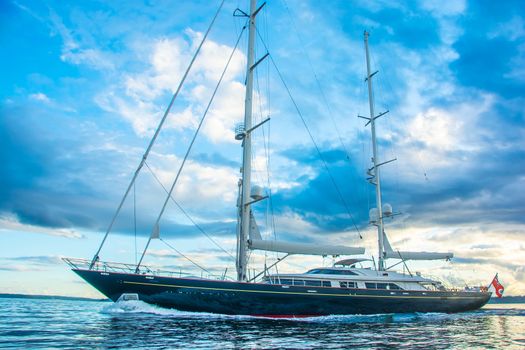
point(79, 324)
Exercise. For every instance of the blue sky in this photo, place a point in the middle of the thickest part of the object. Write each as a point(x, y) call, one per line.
point(85, 83)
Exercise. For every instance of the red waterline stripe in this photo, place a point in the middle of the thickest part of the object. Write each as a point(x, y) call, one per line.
point(286, 316)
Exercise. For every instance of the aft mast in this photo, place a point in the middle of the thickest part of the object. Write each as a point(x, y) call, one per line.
point(378, 214)
point(376, 176)
point(247, 152)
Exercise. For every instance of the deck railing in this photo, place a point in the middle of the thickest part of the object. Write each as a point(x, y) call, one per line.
point(106, 266)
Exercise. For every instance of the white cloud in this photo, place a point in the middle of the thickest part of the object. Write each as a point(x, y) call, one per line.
point(517, 64)
point(146, 91)
point(11, 223)
point(143, 116)
point(47, 101)
point(445, 8)
point(90, 57)
point(290, 221)
point(433, 138)
point(20, 268)
point(512, 29)
point(39, 96)
point(73, 52)
point(489, 250)
point(199, 185)
point(139, 96)
point(436, 129)
point(226, 111)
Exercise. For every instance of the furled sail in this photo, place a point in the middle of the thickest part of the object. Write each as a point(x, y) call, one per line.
point(391, 254)
point(303, 248)
point(418, 255)
point(257, 243)
point(254, 229)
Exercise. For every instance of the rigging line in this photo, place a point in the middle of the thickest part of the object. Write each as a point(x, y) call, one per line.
point(191, 145)
point(260, 101)
point(188, 215)
point(313, 141)
point(381, 87)
point(135, 218)
point(261, 113)
point(316, 146)
point(184, 256)
point(156, 225)
point(258, 172)
point(268, 178)
point(199, 127)
point(266, 143)
point(404, 126)
point(270, 195)
point(268, 150)
point(320, 88)
point(155, 135)
point(325, 100)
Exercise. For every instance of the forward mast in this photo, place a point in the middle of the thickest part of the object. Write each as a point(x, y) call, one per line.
point(245, 208)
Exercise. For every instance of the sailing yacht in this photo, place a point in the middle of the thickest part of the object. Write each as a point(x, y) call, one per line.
point(345, 288)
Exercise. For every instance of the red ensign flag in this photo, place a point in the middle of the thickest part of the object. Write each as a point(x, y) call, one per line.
point(497, 286)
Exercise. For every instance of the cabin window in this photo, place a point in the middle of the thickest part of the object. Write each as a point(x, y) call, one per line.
point(331, 272)
point(393, 286)
point(313, 283)
point(327, 284)
point(298, 282)
point(285, 281)
point(371, 285)
point(348, 284)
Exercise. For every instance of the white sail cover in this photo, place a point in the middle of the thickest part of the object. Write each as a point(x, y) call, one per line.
point(155, 233)
point(254, 229)
point(303, 248)
point(418, 255)
point(391, 254)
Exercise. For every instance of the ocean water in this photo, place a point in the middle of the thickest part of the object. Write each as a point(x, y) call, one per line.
point(35, 324)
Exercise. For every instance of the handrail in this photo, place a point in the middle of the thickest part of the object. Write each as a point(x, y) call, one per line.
point(105, 266)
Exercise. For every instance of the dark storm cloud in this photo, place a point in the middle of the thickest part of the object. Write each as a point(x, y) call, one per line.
point(46, 179)
point(41, 180)
point(22, 163)
point(483, 185)
point(39, 153)
point(317, 200)
point(483, 196)
point(478, 191)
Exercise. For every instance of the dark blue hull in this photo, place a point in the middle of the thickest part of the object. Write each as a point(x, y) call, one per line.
point(237, 298)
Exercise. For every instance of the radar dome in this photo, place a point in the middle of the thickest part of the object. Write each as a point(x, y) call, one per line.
point(374, 215)
point(240, 131)
point(257, 192)
point(387, 210)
